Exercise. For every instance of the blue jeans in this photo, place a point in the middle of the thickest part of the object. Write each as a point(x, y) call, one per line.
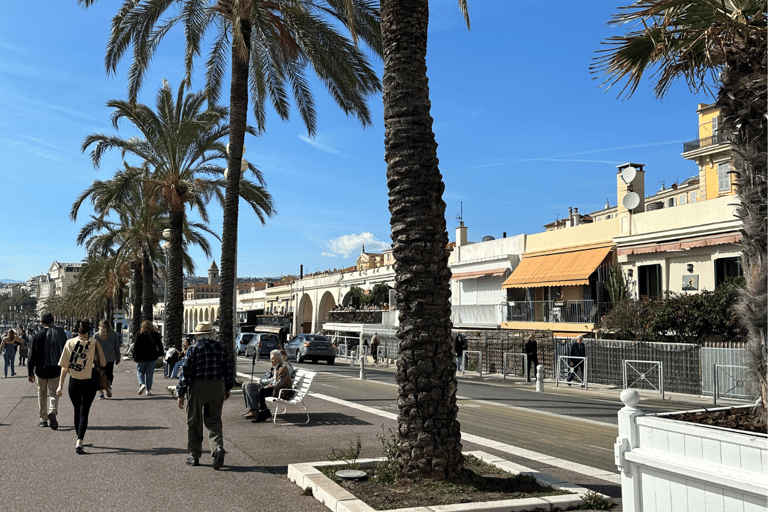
point(146, 370)
point(176, 368)
point(458, 363)
point(9, 361)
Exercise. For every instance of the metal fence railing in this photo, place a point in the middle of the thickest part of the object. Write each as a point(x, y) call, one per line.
point(566, 311)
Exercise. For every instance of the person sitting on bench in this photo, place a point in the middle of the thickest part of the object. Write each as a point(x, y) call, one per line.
point(271, 383)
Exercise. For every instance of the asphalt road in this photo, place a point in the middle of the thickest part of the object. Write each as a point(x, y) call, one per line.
point(567, 423)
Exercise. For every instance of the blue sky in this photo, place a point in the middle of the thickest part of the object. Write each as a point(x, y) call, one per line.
point(523, 131)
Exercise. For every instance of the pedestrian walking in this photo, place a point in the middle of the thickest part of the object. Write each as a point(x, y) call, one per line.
point(207, 376)
point(531, 350)
point(577, 352)
point(110, 345)
point(375, 348)
point(77, 360)
point(459, 346)
point(23, 348)
point(44, 354)
point(9, 343)
point(147, 349)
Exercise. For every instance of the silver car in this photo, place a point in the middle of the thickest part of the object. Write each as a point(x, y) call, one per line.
point(312, 347)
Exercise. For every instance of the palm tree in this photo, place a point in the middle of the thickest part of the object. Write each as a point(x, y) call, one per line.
point(713, 44)
point(269, 46)
point(180, 143)
point(429, 436)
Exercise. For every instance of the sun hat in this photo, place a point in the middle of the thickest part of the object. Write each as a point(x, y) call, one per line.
point(203, 328)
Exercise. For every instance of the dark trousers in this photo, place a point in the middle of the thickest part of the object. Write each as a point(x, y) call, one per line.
point(81, 393)
point(532, 361)
point(206, 401)
point(577, 368)
point(109, 369)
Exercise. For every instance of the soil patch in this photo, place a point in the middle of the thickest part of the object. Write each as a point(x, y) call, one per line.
point(735, 418)
point(478, 482)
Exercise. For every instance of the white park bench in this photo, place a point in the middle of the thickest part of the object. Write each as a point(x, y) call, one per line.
point(301, 382)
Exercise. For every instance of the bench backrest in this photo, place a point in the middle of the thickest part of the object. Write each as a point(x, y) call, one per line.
point(301, 383)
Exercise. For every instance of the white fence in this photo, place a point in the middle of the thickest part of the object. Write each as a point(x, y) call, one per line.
point(668, 465)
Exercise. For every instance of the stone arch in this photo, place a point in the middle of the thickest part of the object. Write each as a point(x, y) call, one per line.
point(305, 314)
point(327, 303)
point(347, 300)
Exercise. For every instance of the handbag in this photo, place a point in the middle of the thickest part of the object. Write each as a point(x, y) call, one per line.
point(99, 376)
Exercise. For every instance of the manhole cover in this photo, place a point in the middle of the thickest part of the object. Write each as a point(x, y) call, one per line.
point(351, 474)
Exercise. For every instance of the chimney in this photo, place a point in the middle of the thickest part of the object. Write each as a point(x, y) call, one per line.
point(576, 217)
point(461, 235)
point(570, 218)
point(504, 235)
point(301, 271)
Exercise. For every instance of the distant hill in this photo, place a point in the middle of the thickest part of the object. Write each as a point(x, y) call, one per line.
point(10, 281)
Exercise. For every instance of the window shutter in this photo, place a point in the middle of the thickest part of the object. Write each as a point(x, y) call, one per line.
point(723, 177)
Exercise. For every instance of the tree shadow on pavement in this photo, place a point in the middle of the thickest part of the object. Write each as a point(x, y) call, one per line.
point(125, 427)
point(160, 450)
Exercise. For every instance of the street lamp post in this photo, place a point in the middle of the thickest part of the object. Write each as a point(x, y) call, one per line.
point(243, 169)
point(166, 246)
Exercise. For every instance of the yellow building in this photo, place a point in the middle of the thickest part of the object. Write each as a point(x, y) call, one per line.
point(712, 153)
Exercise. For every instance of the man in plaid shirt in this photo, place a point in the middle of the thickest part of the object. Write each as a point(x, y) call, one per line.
point(207, 375)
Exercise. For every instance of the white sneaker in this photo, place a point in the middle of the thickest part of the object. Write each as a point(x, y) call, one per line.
point(149, 393)
point(142, 388)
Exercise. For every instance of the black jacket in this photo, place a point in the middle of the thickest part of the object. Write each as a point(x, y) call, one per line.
point(147, 347)
point(531, 349)
point(36, 363)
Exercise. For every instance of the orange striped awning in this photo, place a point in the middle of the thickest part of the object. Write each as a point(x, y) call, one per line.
point(494, 272)
point(681, 245)
point(562, 269)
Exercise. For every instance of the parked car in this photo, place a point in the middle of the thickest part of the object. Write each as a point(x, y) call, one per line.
point(264, 343)
point(311, 347)
point(242, 340)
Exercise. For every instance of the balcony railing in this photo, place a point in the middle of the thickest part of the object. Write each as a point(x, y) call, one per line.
point(568, 311)
point(718, 138)
point(479, 315)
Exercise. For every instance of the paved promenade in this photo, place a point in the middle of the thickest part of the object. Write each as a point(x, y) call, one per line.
point(136, 448)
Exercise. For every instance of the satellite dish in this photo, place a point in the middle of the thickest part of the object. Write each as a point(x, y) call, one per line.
point(628, 174)
point(631, 201)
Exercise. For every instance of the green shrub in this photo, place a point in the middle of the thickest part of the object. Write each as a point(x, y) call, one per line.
point(593, 501)
point(388, 471)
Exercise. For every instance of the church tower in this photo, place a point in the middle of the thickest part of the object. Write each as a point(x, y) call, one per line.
point(213, 274)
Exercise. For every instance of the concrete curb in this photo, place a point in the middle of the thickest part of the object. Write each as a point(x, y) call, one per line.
point(338, 499)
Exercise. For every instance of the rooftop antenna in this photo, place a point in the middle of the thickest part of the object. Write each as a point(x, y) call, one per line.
point(460, 216)
point(663, 183)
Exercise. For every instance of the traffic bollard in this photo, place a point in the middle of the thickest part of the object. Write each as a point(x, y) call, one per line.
point(540, 378)
point(362, 367)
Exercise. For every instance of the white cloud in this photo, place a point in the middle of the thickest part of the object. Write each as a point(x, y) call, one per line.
point(347, 244)
point(323, 143)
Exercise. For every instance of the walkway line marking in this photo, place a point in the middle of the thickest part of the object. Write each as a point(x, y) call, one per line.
point(608, 476)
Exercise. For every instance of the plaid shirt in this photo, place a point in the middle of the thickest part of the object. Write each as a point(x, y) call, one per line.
point(206, 360)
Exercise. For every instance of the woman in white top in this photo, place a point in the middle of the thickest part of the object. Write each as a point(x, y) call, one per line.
point(77, 360)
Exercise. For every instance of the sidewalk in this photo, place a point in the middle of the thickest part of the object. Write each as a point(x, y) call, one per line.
point(136, 452)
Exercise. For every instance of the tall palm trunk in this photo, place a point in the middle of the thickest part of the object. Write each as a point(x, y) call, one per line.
point(238, 118)
point(742, 103)
point(429, 436)
point(174, 314)
point(138, 288)
point(147, 296)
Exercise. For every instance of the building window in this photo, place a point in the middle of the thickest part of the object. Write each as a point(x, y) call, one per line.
point(723, 177)
point(692, 197)
point(682, 199)
point(649, 280)
point(727, 267)
point(670, 202)
point(715, 122)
